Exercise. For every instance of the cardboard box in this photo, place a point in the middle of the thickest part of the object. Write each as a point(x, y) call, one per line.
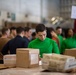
point(58, 57)
point(9, 60)
point(70, 65)
point(70, 52)
point(58, 63)
point(27, 57)
point(2, 66)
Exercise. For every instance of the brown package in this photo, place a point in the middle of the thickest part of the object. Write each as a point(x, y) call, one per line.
point(27, 57)
point(70, 52)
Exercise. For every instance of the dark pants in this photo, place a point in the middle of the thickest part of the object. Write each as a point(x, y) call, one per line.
point(1, 61)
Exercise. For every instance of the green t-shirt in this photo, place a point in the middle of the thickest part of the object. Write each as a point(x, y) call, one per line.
point(46, 46)
point(60, 42)
point(69, 43)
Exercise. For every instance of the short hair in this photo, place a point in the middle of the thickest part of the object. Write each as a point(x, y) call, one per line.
point(33, 34)
point(40, 28)
point(4, 30)
point(19, 30)
point(58, 27)
point(12, 28)
point(26, 29)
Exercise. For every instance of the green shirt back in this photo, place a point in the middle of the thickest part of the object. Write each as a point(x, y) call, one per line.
point(69, 43)
point(60, 42)
point(46, 46)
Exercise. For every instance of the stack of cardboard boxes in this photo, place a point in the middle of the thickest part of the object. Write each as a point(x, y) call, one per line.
point(24, 58)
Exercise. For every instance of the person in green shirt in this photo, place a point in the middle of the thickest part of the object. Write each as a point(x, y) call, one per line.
point(70, 41)
point(59, 32)
point(44, 44)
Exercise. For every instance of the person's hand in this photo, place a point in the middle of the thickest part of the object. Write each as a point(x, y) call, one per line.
point(54, 34)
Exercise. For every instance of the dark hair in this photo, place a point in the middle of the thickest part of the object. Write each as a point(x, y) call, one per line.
point(66, 32)
point(12, 28)
point(4, 30)
point(19, 30)
point(58, 28)
point(33, 34)
point(49, 30)
point(26, 29)
point(40, 28)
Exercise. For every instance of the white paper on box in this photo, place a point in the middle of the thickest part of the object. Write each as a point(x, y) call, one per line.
point(34, 58)
point(9, 60)
point(70, 65)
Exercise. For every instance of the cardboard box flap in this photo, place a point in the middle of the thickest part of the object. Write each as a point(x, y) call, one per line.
point(31, 50)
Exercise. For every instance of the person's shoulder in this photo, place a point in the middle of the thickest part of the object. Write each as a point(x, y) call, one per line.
point(26, 39)
point(50, 40)
point(11, 37)
point(11, 40)
point(4, 39)
point(59, 35)
point(65, 40)
point(8, 39)
point(33, 41)
point(18, 38)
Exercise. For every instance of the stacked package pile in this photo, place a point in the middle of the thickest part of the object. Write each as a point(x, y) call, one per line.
point(10, 60)
point(24, 58)
point(60, 63)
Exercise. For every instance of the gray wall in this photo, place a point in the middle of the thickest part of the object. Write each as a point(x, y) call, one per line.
point(50, 8)
point(32, 7)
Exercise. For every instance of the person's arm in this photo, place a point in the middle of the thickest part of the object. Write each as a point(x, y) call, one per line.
point(55, 48)
point(54, 34)
point(5, 48)
point(74, 36)
point(25, 44)
point(30, 45)
point(55, 37)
